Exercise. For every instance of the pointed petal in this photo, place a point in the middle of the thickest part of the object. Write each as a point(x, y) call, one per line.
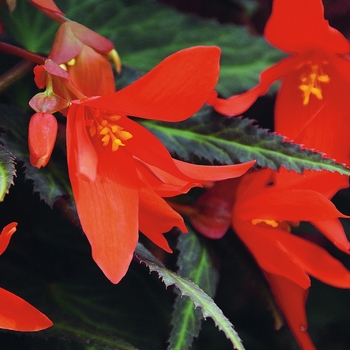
point(172, 91)
point(157, 217)
point(210, 173)
point(18, 315)
point(271, 255)
point(6, 235)
point(291, 299)
point(237, 104)
point(290, 205)
point(107, 205)
point(334, 231)
point(299, 25)
point(316, 261)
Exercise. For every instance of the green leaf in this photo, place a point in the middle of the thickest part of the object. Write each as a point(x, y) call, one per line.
point(195, 263)
point(145, 32)
point(50, 182)
point(29, 27)
point(7, 171)
point(190, 289)
point(223, 140)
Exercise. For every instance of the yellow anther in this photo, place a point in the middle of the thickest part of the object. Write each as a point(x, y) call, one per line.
point(114, 57)
point(272, 223)
point(63, 66)
point(71, 62)
point(108, 132)
point(311, 84)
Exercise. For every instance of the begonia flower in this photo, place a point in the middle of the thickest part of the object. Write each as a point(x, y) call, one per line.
point(314, 96)
point(85, 55)
point(262, 210)
point(46, 5)
point(119, 171)
point(15, 313)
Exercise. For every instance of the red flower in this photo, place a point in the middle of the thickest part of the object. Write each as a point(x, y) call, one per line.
point(262, 207)
point(313, 100)
point(15, 313)
point(85, 55)
point(119, 171)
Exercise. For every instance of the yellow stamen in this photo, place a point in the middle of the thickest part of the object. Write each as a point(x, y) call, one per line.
point(311, 84)
point(114, 57)
point(272, 223)
point(108, 131)
point(71, 62)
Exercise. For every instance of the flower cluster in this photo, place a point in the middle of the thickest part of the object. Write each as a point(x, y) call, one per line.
point(121, 174)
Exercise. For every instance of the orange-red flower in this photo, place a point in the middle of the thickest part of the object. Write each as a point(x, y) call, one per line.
point(15, 313)
point(85, 55)
point(119, 171)
point(313, 100)
point(262, 207)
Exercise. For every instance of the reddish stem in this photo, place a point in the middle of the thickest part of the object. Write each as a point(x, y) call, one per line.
point(14, 74)
point(17, 51)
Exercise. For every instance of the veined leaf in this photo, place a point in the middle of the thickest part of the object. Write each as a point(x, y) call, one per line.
point(190, 289)
point(196, 264)
point(50, 182)
point(216, 138)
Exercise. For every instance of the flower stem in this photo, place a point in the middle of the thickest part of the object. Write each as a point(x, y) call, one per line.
point(14, 74)
point(17, 51)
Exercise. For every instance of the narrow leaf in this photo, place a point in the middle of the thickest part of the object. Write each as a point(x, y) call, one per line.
point(195, 263)
point(219, 139)
point(190, 289)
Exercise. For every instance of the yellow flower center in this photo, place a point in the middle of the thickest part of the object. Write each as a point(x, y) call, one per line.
point(106, 129)
point(311, 84)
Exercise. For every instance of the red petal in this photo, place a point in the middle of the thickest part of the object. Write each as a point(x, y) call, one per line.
point(80, 144)
point(271, 255)
point(18, 315)
point(316, 261)
point(157, 217)
point(92, 73)
point(66, 45)
point(299, 25)
point(210, 173)
point(172, 91)
point(107, 205)
point(48, 5)
point(334, 231)
point(291, 299)
point(289, 205)
point(238, 104)
point(6, 235)
point(41, 138)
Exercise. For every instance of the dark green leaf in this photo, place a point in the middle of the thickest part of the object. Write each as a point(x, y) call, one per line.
point(190, 289)
point(216, 138)
point(195, 263)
